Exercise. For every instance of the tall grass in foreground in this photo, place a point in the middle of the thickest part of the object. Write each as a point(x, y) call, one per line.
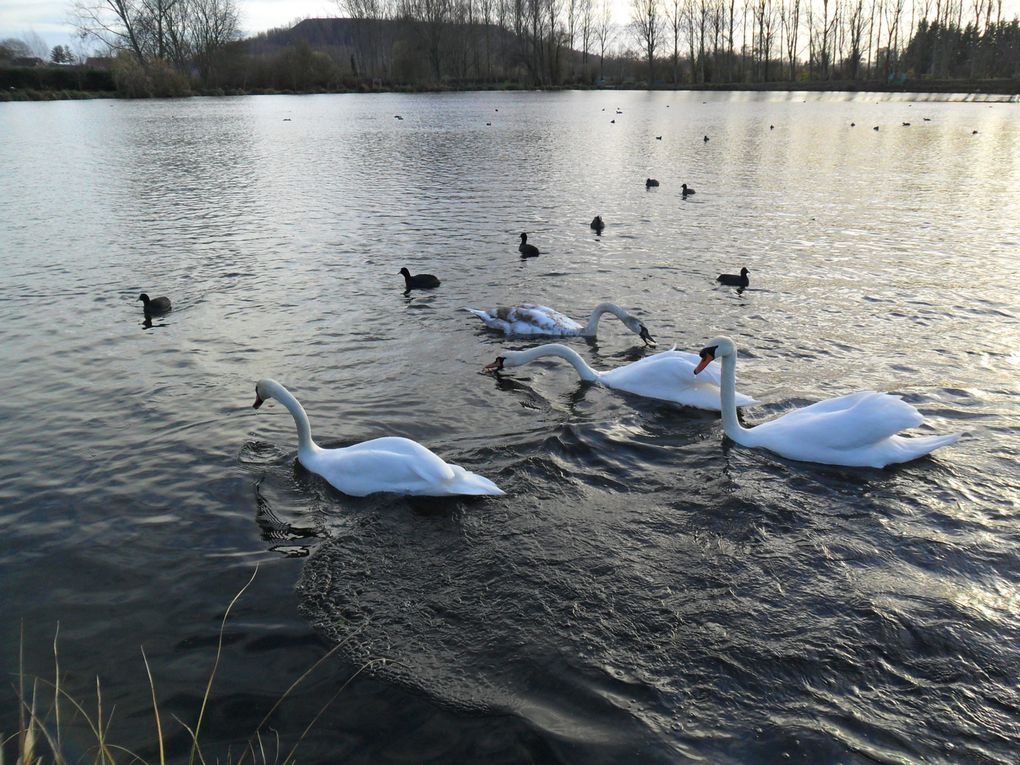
point(39, 740)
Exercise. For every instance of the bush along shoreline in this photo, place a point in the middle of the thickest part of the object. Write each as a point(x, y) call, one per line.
point(44, 90)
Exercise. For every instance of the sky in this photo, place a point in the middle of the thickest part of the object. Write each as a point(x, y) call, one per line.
point(51, 19)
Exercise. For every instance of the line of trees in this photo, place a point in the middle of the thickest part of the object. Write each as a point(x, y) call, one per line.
point(547, 42)
point(167, 45)
point(823, 40)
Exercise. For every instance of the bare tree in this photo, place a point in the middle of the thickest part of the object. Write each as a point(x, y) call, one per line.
point(791, 26)
point(673, 11)
point(646, 24)
point(433, 18)
point(605, 32)
point(115, 23)
point(855, 28)
point(893, 16)
point(177, 31)
point(215, 24)
point(764, 14)
point(587, 33)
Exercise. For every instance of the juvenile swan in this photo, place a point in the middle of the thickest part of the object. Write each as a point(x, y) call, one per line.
point(531, 319)
point(393, 464)
point(668, 376)
point(859, 430)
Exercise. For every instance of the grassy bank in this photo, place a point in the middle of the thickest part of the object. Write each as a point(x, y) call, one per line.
point(945, 87)
point(48, 713)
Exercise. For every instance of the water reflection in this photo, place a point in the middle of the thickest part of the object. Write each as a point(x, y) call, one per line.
point(634, 540)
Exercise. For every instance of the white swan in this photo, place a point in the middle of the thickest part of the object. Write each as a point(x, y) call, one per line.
point(531, 319)
point(668, 376)
point(399, 465)
point(858, 430)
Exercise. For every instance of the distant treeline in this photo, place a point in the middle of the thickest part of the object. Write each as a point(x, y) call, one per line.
point(173, 47)
point(54, 78)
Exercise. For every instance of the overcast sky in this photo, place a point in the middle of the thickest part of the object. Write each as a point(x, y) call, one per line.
point(51, 19)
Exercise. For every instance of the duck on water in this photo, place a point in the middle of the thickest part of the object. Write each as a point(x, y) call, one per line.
point(527, 250)
point(418, 281)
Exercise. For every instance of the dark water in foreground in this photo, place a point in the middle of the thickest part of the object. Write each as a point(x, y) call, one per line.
point(645, 591)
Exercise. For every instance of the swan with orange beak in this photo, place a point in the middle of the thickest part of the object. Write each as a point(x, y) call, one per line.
point(858, 430)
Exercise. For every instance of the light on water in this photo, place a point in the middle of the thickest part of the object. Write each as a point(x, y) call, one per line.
point(646, 590)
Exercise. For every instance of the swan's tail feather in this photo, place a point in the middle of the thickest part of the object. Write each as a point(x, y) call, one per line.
point(918, 446)
point(483, 315)
point(466, 482)
point(931, 443)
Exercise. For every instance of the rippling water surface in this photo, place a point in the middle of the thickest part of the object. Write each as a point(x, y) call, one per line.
point(646, 590)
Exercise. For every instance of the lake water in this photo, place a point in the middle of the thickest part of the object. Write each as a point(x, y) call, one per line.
point(646, 591)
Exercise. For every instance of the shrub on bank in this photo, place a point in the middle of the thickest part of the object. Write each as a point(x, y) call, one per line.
point(155, 80)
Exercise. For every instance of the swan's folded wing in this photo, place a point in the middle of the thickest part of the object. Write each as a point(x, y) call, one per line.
point(848, 422)
point(543, 319)
point(401, 456)
point(670, 376)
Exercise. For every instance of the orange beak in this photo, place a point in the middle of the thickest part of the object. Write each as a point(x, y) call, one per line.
point(706, 359)
point(497, 365)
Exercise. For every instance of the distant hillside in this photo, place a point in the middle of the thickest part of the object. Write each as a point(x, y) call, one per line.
point(318, 33)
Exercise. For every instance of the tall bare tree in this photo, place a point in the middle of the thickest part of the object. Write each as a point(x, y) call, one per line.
point(856, 22)
point(587, 33)
point(791, 27)
point(674, 17)
point(646, 25)
point(605, 32)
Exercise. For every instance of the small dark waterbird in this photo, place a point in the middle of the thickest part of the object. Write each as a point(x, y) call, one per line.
point(597, 223)
point(418, 281)
point(685, 191)
point(733, 279)
point(527, 250)
point(154, 306)
point(651, 183)
point(706, 139)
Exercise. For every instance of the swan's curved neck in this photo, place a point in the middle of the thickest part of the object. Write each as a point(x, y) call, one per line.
point(601, 308)
point(728, 399)
point(584, 371)
point(304, 429)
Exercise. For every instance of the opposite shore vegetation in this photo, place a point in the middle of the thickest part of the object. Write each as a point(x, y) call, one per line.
point(159, 48)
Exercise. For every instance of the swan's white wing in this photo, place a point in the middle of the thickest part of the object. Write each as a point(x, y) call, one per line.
point(528, 318)
point(846, 422)
point(670, 376)
point(395, 465)
point(383, 464)
point(421, 461)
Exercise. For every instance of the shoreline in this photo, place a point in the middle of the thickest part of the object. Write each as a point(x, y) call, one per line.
point(998, 91)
